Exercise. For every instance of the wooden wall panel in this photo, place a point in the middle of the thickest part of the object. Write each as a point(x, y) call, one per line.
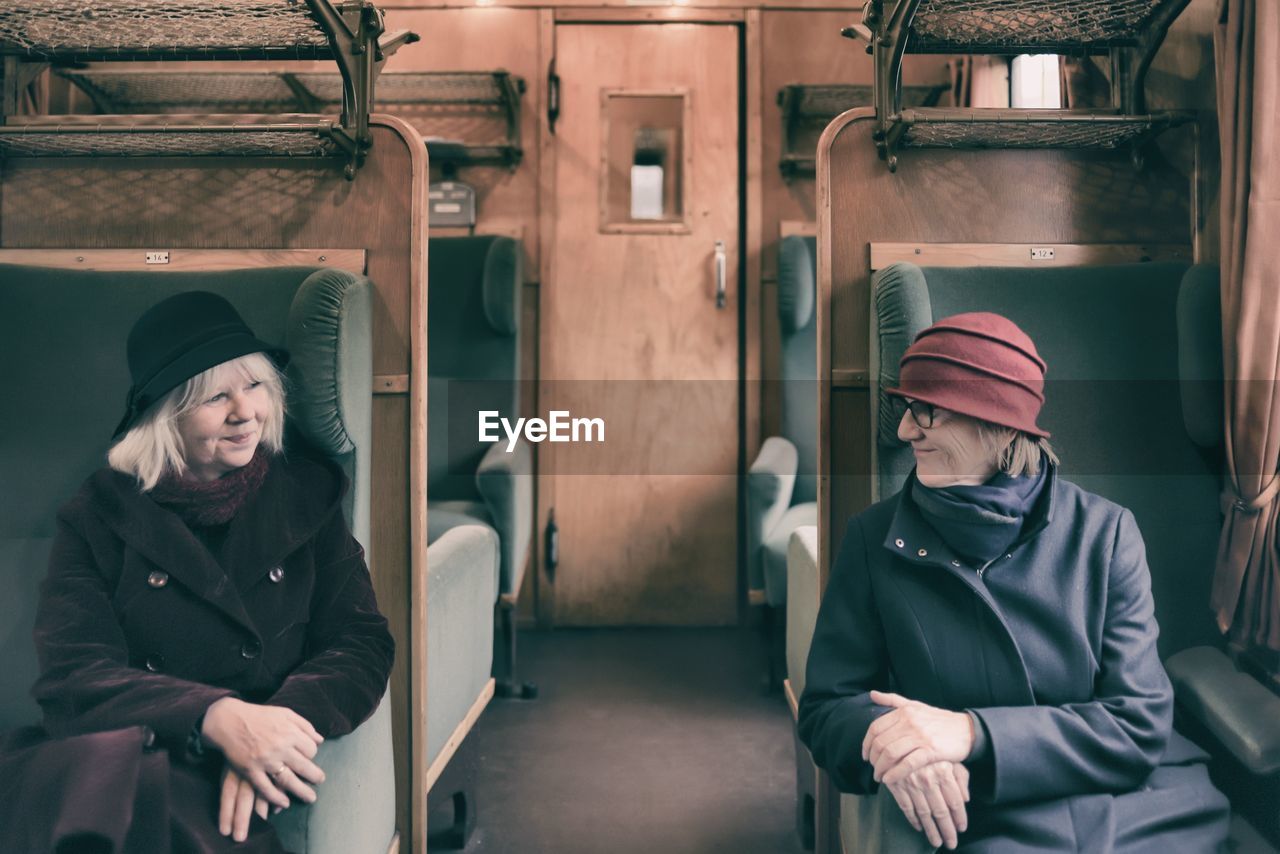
point(484, 39)
point(259, 204)
point(803, 47)
point(796, 47)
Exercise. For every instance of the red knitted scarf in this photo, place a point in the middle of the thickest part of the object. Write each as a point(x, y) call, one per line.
point(214, 502)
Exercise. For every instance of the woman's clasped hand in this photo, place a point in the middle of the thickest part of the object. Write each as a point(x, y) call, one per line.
point(917, 751)
point(269, 752)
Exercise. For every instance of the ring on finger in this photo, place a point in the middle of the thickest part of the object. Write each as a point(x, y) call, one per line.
point(276, 773)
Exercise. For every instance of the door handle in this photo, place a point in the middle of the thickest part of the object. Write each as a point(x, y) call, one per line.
point(722, 264)
point(553, 96)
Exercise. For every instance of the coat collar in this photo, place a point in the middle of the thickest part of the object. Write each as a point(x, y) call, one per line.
point(912, 538)
point(297, 496)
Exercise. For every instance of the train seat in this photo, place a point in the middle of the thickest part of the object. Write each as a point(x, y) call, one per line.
point(1133, 402)
point(803, 598)
point(62, 339)
point(1113, 403)
point(782, 484)
point(473, 363)
point(462, 583)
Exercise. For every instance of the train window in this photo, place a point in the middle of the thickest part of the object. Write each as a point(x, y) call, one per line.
point(643, 168)
point(1035, 81)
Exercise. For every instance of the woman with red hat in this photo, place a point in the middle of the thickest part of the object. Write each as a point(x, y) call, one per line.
point(986, 647)
point(207, 619)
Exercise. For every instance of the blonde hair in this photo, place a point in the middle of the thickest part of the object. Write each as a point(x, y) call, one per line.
point(153, 447)
point(1017, 454)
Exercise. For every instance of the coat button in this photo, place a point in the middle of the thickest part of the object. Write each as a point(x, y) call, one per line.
point(276, 573)
point(251, 649)
point(155, 663)
point(899, 543)
point(955, 563)
point(923, 552)
point(158, 578)
point(148, 738)
point(1008, 557)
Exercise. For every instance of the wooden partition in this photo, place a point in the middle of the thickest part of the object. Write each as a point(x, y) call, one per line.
point(179, 204)
point(1044, 198)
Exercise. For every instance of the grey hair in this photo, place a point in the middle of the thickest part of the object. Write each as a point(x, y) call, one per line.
point(1017, 453)
point(153, 447)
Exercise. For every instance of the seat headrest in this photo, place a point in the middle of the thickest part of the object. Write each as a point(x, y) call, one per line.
point(1200, 354)
point(902, 310)
point(328, 335)
point(503, 278)
point(797, 273)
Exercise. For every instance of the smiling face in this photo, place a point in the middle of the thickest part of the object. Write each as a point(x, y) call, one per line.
point(221, 431)
point(951, 452)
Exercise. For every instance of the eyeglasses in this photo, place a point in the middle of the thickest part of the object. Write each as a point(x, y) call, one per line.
point(922, 413)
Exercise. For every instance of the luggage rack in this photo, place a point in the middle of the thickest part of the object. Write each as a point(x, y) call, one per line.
point(54, 32)
point(952, 128)
point(812, 107)
point(134, 136)
point(410, 94)
point(421, 94)
point(1128, 31)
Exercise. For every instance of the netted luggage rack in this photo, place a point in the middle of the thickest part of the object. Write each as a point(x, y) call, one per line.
point(409, 93)
point(57, 32)
point(1128, 31)
point(806, 109)
point(124, 138)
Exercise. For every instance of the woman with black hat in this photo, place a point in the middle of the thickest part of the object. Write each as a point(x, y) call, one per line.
point(986, 647)
point(207, 619)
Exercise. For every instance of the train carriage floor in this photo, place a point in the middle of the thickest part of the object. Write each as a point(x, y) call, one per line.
point(644, 741)
point(641, 740)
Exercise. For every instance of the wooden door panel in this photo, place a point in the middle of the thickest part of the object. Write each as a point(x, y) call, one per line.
point(634, 336)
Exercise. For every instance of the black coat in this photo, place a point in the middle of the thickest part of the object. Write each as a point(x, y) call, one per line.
point(1053, 646)
point(140, 629)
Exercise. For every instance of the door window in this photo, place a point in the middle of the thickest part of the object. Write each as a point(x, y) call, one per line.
point(643, 151)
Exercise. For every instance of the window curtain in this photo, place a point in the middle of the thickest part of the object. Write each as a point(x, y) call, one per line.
point(1246, 587)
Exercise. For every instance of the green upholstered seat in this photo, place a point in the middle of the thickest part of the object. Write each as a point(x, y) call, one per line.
point(803, 598)
point(1134, 403)
point(1113, 402)
point(462, 580)
point(473, 363)
point(773, 552)
point(62, 340)
point(783, 477)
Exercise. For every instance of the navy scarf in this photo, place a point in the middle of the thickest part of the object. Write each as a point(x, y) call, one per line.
point(980, 522)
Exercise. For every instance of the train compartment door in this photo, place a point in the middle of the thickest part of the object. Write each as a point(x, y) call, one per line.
point(640, 323)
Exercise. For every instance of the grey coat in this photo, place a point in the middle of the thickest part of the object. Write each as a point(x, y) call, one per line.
point(1052, 645)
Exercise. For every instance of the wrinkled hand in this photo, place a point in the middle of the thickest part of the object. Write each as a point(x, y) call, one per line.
point(269, 746)
point(912, 736)
point(238, 804)
point(933, 798)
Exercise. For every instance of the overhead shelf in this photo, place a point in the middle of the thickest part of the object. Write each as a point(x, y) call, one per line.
point(950, 128)
point(188, 138)
point(134, 92)
point(1030, 26)
point(414, 93)
point(56, 32)
point(108, 30)
point(1128, 31)
point(807, 109)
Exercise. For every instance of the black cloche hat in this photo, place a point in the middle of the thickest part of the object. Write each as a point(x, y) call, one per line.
point(180, 337)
